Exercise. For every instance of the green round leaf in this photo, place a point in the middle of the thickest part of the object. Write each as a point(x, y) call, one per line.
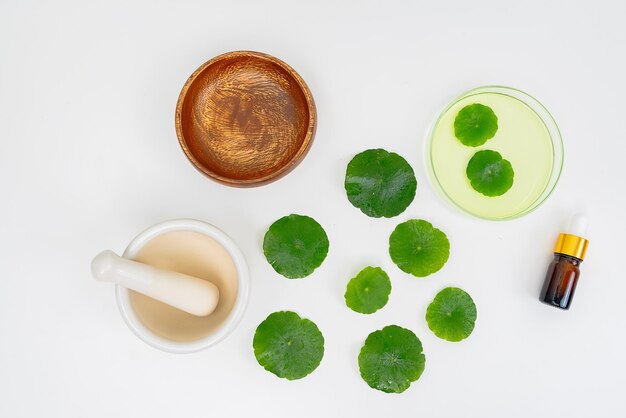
point(418, 248)
point(391, 359)
point(489, 173)
point(368, 291)
point(475, 124)
point(295, 245)
point(452, 314)
point(380, 183)
point(288, 346)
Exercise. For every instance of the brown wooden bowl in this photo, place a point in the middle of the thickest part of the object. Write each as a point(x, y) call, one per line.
point(245, 118)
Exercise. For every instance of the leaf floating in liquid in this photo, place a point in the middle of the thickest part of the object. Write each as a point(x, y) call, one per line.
point(475, 124)
point(489, 173)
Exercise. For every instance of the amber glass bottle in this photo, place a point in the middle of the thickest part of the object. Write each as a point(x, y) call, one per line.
point(563, 272)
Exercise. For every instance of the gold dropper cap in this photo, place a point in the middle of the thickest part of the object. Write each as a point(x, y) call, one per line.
point(571, 245)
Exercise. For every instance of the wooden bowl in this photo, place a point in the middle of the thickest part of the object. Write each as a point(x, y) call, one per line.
point(245, 118)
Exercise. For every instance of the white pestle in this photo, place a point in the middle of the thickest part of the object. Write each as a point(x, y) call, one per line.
point(187, 293)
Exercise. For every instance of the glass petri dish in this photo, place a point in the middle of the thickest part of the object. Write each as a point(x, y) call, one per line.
point(527, 136)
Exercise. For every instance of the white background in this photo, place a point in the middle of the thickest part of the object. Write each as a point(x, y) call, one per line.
point(89, 158)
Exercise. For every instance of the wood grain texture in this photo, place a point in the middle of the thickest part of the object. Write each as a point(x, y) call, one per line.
point(245, 118)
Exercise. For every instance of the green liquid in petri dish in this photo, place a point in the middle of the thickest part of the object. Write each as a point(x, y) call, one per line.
point(522, 138)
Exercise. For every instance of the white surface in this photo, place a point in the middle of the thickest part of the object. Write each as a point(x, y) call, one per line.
point(89, 158)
